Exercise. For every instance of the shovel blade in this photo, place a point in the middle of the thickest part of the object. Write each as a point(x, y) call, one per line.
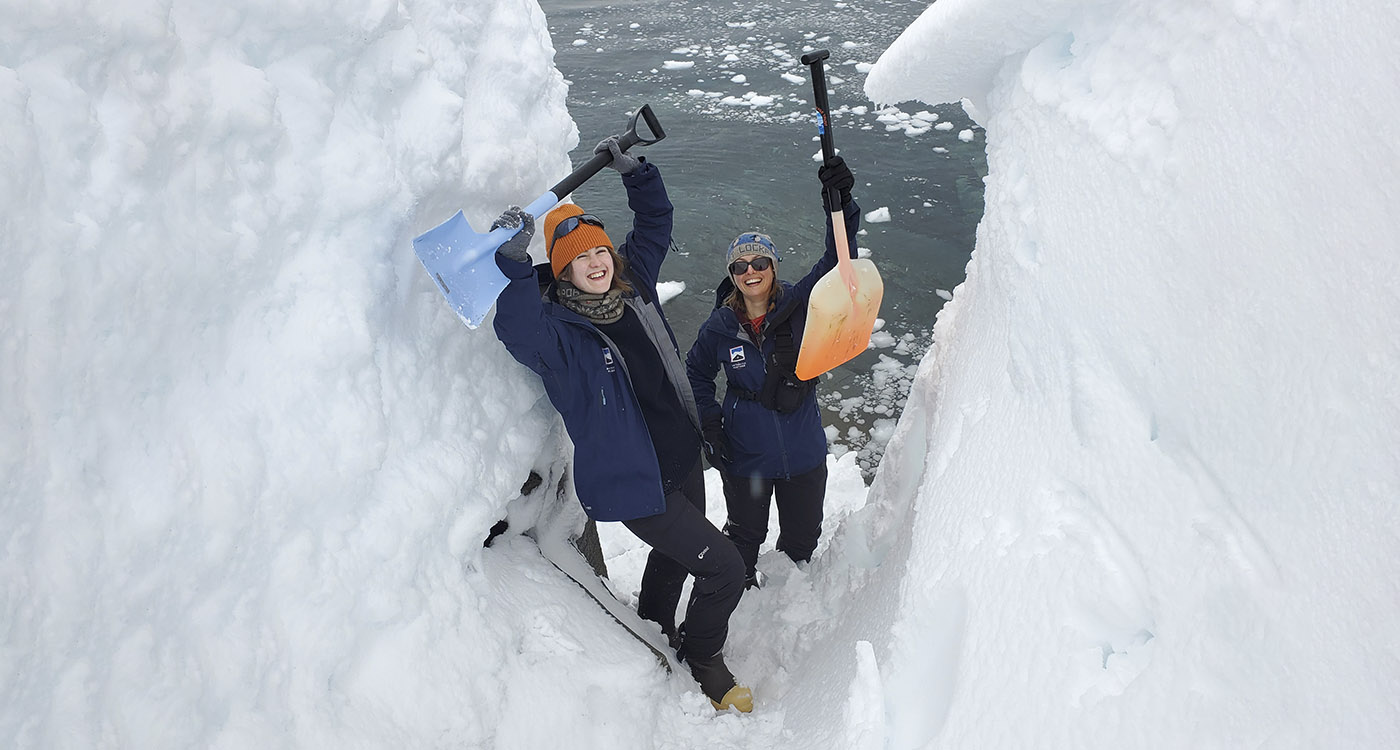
point(839, 325)
point(462, 263)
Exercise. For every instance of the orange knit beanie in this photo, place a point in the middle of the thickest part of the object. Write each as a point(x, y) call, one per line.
point(583, 237)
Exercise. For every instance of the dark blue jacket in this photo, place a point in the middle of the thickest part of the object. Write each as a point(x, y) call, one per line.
point(763, 442)
point(615, 467)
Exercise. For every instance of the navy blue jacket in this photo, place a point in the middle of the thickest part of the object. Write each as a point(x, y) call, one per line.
point(615, 466)
point(763, 442)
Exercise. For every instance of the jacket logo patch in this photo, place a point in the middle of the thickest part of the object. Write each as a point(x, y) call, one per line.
point(736, 357)
point(608, 360)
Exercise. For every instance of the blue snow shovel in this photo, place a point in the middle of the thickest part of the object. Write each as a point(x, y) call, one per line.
point(462, 260)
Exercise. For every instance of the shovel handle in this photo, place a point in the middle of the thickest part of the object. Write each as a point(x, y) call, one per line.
point(814, 61)
point(831, 196)
point(482, 245)
point(591, 167)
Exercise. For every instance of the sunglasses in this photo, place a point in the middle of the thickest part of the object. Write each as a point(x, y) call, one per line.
point(571, 223)
point(761, 263)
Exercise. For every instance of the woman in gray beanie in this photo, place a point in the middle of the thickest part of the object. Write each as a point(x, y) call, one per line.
point(767, 437)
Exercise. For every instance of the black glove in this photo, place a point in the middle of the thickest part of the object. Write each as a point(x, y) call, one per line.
point(622, 161)
point(517, 248)
point(716, 445)
point(837, 175)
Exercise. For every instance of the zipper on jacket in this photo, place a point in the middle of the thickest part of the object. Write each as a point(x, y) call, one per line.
point(743, 338)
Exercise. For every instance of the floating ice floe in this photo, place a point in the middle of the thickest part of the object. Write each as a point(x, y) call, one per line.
point(943, 126)
point(749, 99)
point(864, 67)
point(740, 78)
point(882, 340)
point(850, 45)
point(793, 78)
point(580, 42)
point(678, 64)
point(965, 136)
point(879, 215)
point(944, 293)
point(669, 290)
point(882, 431)
point(741, 24)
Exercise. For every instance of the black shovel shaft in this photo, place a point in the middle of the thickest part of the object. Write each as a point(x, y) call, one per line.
point(814, 61)
point(627, 140)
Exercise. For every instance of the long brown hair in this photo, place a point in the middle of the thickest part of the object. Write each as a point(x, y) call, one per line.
point(735, 300)
point(619, 272)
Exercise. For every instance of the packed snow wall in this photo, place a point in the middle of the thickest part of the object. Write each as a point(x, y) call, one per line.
point(247, 450)
point(1152, 497)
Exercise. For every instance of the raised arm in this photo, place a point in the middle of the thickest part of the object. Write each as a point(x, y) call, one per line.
point(652, 213)
point(836, 178)
point(528, 334)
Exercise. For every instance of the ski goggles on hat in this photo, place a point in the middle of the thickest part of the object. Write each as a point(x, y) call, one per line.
point(571, 223)
point(761, 263)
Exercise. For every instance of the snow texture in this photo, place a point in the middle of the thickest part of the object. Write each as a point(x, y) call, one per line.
point(1142, 494)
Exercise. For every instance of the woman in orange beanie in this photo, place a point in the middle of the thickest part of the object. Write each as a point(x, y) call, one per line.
point(610, 364)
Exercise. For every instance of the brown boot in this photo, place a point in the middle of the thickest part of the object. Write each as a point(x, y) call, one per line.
point(718, 684)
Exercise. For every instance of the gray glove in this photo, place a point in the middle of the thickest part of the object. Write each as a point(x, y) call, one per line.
point(517, 248)
point(622, 161)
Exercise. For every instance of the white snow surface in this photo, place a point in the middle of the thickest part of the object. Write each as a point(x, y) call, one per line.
point(1143, 493)
point(1151, 457)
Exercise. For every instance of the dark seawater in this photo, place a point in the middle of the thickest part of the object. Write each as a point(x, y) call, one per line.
point(738, 156)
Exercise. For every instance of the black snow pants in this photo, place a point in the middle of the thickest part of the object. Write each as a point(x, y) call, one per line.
point(800, 500)
point(683, 541)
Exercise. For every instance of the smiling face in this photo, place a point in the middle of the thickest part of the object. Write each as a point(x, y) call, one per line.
point(592, 270)
point(755, 285)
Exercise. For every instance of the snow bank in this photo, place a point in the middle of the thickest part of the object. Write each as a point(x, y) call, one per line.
point(247, 449)
point(249, 455)
point(1153, 477)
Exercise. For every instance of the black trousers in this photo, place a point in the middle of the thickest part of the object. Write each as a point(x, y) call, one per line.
point(800, 502)
point(684, 542)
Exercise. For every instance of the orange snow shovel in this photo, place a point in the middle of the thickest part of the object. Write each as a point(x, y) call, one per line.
point(845, 302)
